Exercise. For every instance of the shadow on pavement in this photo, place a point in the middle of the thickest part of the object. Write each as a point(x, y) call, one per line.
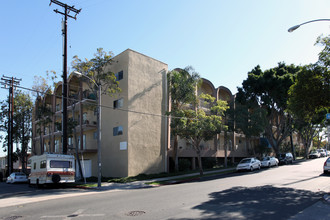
point(265, 202)
point(24, 191)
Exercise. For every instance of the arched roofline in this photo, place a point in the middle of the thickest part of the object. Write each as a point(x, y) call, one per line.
point(225, 89)
point(208, 82)
point(57, 86)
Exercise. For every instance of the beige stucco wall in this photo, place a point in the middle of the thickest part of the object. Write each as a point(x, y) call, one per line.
point(146, 148)
point(143, 92)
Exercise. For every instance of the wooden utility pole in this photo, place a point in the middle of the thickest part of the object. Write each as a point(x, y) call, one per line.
point(11, 83)
point(67, 10)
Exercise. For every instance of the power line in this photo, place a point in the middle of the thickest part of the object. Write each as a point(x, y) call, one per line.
point(109, 107)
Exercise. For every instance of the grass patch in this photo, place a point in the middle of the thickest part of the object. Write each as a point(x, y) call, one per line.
point(93, 180)
point(184, 179)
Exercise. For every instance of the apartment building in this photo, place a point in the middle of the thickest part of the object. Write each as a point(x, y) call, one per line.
point(236, 143)
point(135, 135)
point(133, 132)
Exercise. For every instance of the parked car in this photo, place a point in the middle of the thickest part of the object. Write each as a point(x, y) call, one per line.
point(285, 158)
point(322, 152)
point(314, 154)
point(17, 177)
point(326, 166)
point(248, 164)
point(269, 161)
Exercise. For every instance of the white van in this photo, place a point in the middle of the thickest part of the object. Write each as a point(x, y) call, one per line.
point(51, 168)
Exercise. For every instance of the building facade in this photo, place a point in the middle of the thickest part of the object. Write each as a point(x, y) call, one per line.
point(133, 132)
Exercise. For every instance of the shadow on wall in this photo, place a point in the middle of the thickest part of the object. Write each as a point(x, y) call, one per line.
point(265, 202)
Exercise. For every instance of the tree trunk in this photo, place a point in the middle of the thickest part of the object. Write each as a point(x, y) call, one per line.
point(201, 172)
point(175, 154)
point(225, 144)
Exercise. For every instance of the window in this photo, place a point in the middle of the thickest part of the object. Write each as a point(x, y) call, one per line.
point(34, 166)
point(118, 103)
point(57, 145)
point(117, 130)
point(84, 141)
point(84, 116)
point(60, 164)
point(95, 135)
point(119, 75)
point(43, 164)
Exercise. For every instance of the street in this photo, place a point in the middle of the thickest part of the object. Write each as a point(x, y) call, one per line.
point(271, 193)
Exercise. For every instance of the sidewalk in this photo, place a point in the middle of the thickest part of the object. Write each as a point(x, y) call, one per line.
point(318, 211)
point(143, 184)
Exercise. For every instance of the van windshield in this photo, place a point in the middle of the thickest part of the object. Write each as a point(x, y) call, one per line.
point(60, 164)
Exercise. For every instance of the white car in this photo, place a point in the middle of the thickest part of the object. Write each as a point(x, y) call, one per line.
point(326, 166)
point(269, 162)
point(314, 154)
point(248, 164)
point(322, 152)
point(17, 178)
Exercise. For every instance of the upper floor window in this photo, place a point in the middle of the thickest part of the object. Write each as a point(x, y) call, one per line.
point(119, 75)
point(118, 103)
point(118, 130)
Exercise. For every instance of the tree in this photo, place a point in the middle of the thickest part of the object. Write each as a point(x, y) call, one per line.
point(324, 55)
point(97, 70)
point(23, 125)
point(22, 117)
point(309, 101)
point(182, 88)
point(269, 90)
point(98, 77)
point(198, 126)
point(43, 117)
point(251, 121)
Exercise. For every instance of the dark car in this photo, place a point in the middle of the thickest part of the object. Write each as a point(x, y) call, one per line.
point(285, 158)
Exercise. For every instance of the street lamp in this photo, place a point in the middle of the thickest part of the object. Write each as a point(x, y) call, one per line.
point(293, 28)
point(99, 174)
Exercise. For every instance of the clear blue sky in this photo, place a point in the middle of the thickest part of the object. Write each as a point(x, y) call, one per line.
point(222, 40)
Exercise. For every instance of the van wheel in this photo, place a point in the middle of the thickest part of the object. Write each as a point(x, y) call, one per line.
point(56, 178)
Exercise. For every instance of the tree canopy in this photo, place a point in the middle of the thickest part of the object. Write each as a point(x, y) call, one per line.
point(269, 90)
point(97, 69)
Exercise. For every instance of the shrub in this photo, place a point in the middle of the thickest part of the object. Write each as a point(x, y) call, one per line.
point(184, 164)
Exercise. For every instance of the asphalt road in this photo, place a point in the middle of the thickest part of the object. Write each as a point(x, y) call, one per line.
point(275, 193)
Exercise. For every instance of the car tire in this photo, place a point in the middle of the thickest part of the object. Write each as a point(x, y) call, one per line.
point(251, 168)
point(259, 167)
point(268, 165)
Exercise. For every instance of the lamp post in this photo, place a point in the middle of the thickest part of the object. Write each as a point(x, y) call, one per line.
point(99, 174)
point(293, 28)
